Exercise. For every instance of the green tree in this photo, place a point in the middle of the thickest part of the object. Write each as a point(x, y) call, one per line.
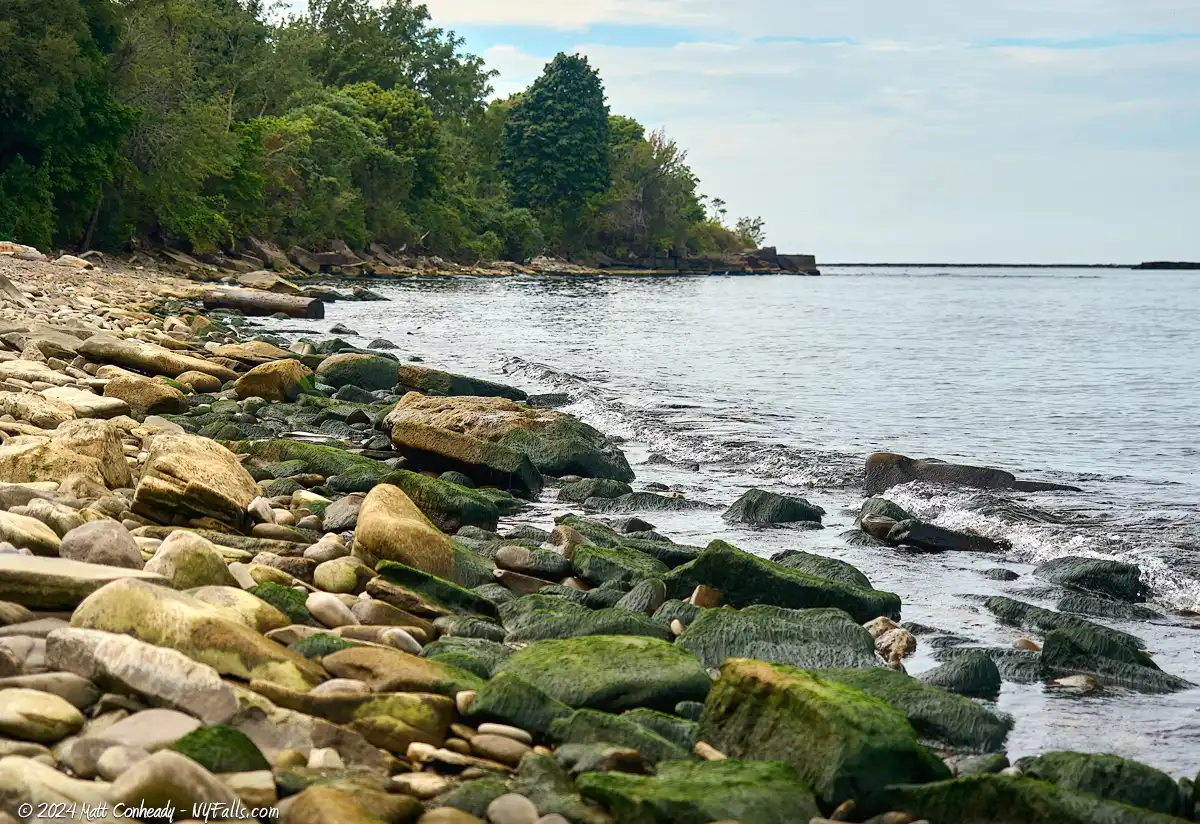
point(751, 231)
point(556, 148)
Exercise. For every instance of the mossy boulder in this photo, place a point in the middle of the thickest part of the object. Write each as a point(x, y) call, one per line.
point(283, 458)
point(1109, 777)
point(593, 727)
point(646, 596)
point(819, 566)
point(806, 638)
point(758, 506)
point(468, 568)
point(1113, 579)
point(475, 655)
point(1036, 619)
point(473, 797)
point(442, 592)
point(449, 506)
point(289, 601)
point(975, 675)
point(415, 378)
point(763, 792)
point(842, 742)
point(580, 491)
point(539, 617)
point(321, 644)
point(464, 626)
point(368, 372)
point(936, 715)
point(611, 673)
point(1080, 603)
point(221, 749)
point(747, 580)
point(602, 535)
point(544, 782)
point(679, 731)
point(389, 670)
point(391, 528)
point(509, 699)
point(598, 564)
point(1074, 651)
point(1003, 799)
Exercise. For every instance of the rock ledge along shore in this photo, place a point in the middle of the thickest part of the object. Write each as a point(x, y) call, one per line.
point(247, 576)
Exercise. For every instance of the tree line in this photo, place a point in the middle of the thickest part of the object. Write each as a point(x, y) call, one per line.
point(196, 123)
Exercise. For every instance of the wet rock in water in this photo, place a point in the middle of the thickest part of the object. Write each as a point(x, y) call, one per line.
point(1076, 650)
point(646, 502)
point(435, 382)
point(592, 727)
point(611, 672)
point(887, 469)
point(765, 792)
point(167, 618)
point(580, 491)
point(280, 381)
point(892, 641)
point(746, 580)
point(102, 542)
point(597, 565)
point(842, 742)
point(164, 676)
point(1109, 777)
point(882, 508)
point(975, 675)
point(556, 443)
point(57, 583)
point(1003, 799)
point(1017, 665)
point(757, 506)
point(1000, 574)
point(364, 371)
point(1036, 619)
point(1083, 604)
point(186, 476)
point(392, 527)
point(819, 566)
point(32, 715)
point(1104, 577)
point(940, 716)
point(808, 639)
point(933, 538)
point(540, 617)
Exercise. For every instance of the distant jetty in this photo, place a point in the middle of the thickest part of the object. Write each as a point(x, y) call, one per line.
point(1167, 264)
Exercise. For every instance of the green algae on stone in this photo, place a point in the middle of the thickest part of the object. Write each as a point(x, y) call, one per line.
point(842, 742)
point(974, 675)
point(818, 566)
point(464, 626)
point(438, 590)
point(612, 673)
point(508, 699)
point(1109, 777)
point(763, 792)
point(287, 600)
point(1036, 619)
point(449, 506)
point(805, 638)
point(747, 580)
point(593, 727)
point(679, 731)
point(473, 797)
point(475, 655)
point(539, 617)
point(758, 506)
point(935, 714)
point(1103, 576)
point(602, 535)
point(221, 749)
point(469, 569)
point(544, 782)
point(1070, 652)
point(320, 645)
point(580, 491)
point(599, 564)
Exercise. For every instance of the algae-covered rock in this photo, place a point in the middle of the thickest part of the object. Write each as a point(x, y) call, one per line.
point(509, 699)
point(975, 675)
point(1003, 799)
point(747, 580)
point(449, 506)
point(1074, 651)
point(464, 626)
point(321, 644)
point(475, 655)
point(285, 458)
point(679, 731)
point(611, 673)
point(807, 638)
point(440, 591)
point(285, 599)
point(580, 491)
point(538, 617)
point(819, 566)
point(221, 749)
point(167, 618)
point(842, 742)
point(389, 670)
point(757, 506)
point(544, 782)
point(368, 372)
point(1036, 619)
point(645, 597)
point(883, 508)
point(763, 792)
point(1080, 603)
point(392, 528)
point(1114, 579)
point(473, 797)
point(935, 714)
point(483, 461)
point(592, 727)
point(1107, 776)
point(597, 564)
point(602, 535)
point(415, 378)
point(469, 569)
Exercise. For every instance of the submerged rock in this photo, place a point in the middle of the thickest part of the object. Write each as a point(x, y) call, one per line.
point(1075, 650)
point(1112, 579)
point(757, 506)
point(887, 469)
point(933, 538)
point(975, 675)
point(580, 491)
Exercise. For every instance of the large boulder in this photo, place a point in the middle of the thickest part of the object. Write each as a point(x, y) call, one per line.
point(88, 447)
point(1108, 776)
point(807, 638)
point(821, 566)
point(746, 579)
point(611, 673)
point(1002, 799)
point(102, 542)
point(428, 381)
point(43, 412)
point(449, 506)
point(887, 469)
point(929, 537)
point(757, 506)
point(187, 560)
point(973, 674)
point(557, 444)
point(538, 617)
point(167, 618)
point(1102, 576)
point(28, 533)
point(1079, 650)
point(368, 372)
point(186, 477)
point(149, 358)
point(280, 381)
point(842, 742)
point(87, 404)
point(57, 583)
point(765, 792)
point(391, 527)
point(146, 396)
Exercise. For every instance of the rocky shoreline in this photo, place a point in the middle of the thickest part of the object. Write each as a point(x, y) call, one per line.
point(237, 577)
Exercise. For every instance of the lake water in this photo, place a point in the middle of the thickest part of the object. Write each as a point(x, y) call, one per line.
point(1088, 377)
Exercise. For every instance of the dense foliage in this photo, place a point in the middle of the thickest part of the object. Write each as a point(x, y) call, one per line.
point(198, 123)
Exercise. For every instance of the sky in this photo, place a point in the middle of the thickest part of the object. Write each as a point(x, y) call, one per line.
point(1011, 131)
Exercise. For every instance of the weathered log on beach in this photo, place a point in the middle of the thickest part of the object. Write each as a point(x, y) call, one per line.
point(253, 302)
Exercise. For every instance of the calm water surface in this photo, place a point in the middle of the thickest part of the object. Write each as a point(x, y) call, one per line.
point(1090, 377)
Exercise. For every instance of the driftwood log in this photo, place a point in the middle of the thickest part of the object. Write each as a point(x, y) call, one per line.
point(254, 302)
